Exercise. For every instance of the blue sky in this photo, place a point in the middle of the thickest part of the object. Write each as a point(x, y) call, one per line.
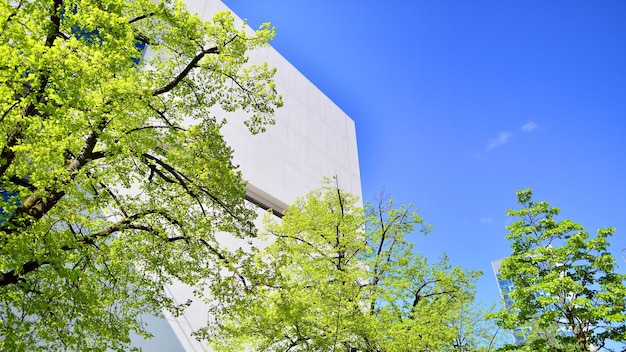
point(458, 104)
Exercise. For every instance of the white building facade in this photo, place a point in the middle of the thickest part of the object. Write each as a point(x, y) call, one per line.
point(312, 139)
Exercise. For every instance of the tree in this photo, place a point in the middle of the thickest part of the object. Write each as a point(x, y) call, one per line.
point(337, 277)
point(115, 177)
point(475, 332)
point(566, 287)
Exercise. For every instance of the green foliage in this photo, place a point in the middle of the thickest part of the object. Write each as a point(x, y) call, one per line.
point(567, 293)
point(475, 333)
point(121, 178)
point(340, 278)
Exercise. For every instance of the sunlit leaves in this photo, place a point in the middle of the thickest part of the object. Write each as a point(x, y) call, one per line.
point(120, 175)
point(339, 277)
point(565, 283)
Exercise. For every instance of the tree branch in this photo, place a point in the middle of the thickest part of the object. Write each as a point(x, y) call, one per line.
point(226, 261)
point(37, 206)
point(152, 127)
point(295, 238)
point(180, 178)
point(419, 297)
point(139, 18)
point(4, 114)
point(7, 155)
point(22, 182)
point(184, 180)
point(55, 18)
point(11, 277)
point(193, 63)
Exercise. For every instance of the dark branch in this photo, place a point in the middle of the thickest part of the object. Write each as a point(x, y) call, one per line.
point(11, 277)
point(22, 182)
point(419, 296)
point(55, 18)
point(153, 127)
point(184, 181)
point(180, 178)
point(162, 116)
point(9, 109)
point(7, 155)
point(139, 18)
point(192, 64)
point(297, 239)
point(226, 261)
point(37, 206)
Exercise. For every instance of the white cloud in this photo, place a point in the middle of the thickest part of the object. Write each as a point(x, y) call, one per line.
point(529, 127)
point(499, 140)
point(486, 220)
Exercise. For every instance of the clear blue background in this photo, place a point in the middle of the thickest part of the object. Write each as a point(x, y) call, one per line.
point(458, 104)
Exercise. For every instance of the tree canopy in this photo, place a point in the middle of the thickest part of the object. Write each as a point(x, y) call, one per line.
point(114, 174)
point(338, 277)
point(567, 295)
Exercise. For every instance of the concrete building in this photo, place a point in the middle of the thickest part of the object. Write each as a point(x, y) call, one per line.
point(312, 139)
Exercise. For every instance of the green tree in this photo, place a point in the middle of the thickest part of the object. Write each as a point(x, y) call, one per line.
point(115, 174)
point(475, 332)
point(340, 278)
point(566, 289)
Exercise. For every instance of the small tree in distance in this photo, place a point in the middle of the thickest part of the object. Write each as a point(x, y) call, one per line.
point(566, 289)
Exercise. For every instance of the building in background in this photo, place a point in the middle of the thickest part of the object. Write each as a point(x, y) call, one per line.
point(521, 333)
point(312, 139)
point(506, 287)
